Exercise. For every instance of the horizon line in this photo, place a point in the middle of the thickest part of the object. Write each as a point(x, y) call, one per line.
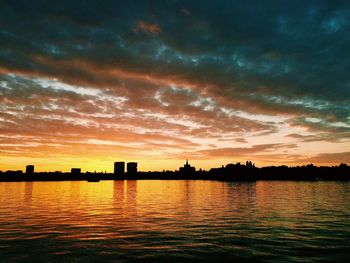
point(168, 170)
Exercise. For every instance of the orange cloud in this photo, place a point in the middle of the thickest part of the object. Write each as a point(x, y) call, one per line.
point(151, 28)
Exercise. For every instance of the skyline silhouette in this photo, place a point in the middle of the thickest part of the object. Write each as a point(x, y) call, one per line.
point(229, 172)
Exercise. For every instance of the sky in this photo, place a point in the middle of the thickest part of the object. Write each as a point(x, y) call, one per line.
point(87, 83)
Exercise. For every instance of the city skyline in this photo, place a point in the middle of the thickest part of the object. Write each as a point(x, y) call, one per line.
point(84, 83)
point(246, 172)
point(122, 168)
point(119, 168)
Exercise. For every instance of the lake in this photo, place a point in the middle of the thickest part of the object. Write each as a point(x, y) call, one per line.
point(182, 221)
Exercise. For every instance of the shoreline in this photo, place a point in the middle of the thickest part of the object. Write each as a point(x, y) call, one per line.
point(228, 173)
point(24, 178)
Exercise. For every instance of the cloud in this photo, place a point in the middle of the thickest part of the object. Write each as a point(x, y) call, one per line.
point(331, 158)
point(215, 73)
point(151, 28)
point(235, 153)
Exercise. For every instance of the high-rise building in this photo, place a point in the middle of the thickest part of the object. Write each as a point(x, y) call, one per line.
point(75, 171)
point(119, 168)
point(29, 169)
point(131, 168)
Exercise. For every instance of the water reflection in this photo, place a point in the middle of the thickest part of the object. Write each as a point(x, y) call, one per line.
point(74, 190)
point(118, 192)
point(187, 220)
point(28, 192)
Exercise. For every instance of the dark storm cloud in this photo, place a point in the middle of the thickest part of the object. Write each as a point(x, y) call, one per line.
point(293, 49)
point(270, 57)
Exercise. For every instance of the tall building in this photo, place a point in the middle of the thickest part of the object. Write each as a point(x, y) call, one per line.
point(29, 169)
point(187, 169)
point(75, 171)
point(131, 168)
point(119, 168)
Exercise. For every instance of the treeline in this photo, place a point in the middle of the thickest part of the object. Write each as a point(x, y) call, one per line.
point(307, 172)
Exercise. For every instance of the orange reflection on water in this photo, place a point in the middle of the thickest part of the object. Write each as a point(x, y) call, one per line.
point(145, 219)
point(120, 211)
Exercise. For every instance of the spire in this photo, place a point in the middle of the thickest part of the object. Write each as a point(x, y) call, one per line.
point(186, 161)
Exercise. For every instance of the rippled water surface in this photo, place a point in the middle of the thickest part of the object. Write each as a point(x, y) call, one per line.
point(174, 220)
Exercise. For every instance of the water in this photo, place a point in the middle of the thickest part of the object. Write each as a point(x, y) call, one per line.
point(154, 221)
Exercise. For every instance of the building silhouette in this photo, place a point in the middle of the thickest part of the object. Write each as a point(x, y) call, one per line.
point(131, 168)
point(187, 169)
point(119, 168)
point(75, 171)
point(30, 169)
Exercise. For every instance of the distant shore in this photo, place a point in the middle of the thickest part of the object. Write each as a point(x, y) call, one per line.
point(227, 173)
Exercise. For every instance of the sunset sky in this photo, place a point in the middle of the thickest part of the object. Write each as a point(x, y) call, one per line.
point(87, 83)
